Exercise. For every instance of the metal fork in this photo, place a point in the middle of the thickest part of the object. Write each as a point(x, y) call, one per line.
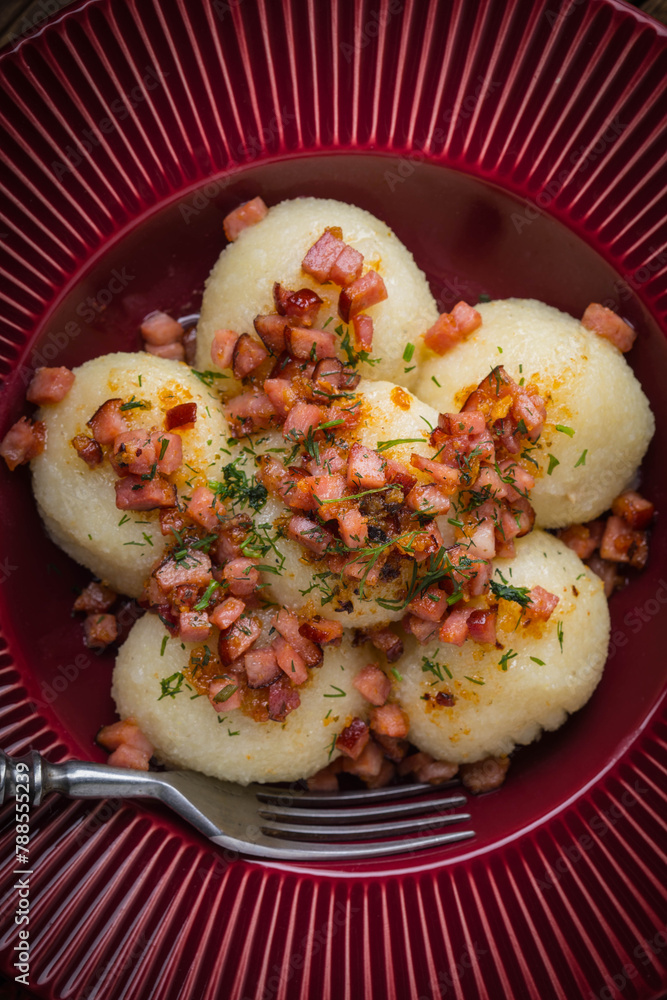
point(259, 820)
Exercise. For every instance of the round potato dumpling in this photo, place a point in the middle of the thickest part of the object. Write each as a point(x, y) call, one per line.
point(507, 696)
point(599, 423)
point(78, 503)
point(297, 582)
point(240, 286)
point(187, 733)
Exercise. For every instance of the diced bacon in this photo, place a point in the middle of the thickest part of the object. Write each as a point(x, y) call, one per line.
point(134, 453)
point(190, 345)
point(133, 493)
point(126, 732)
point(609, 325)
point(444, 475)
point(309, 534)
point(251, 411)
point(95, 598)
point(392, 747)
point(171, 519)
point(238, 638)
point(428, 770)
point(451, 328)
point(467, 422)
point(326, 488)
point(368, 765)
point(193, 626)
point(226, 613)
point(430, 606)
point(422, 630)
point(482, 625)
point(205, 508)
point(466, 318)
point(169, 455)
point(353, 529)
point(323, 255)
point(159, 329)
point(172, 352)
point(623, 544)
point(273, 475)
point(271, 329)
point(542, 605)
point(342, 418)
point(331, 462)
point(362, 331)
point(373, 684)
point(129, 757)
point(428, 500)
point(261, 667)
point(352, 740)
point(223, 346)
point(334, 373)
point(248, 355)
point(484, 775)
point(396, 473)
point(366, 567)
point(300, 495)
point(325, 780)
point(483, 541)
point(528, 407)
point(225, 694)
point(387, 642)
point(100, 631)
point(302, 419)
point(308, 344)
point(108, 422)
point(490, 483)
point(183, 415)
point(363, 293)
point(347, 266)
point(23, 441)
point(523, 516)
point(365, 468)
point(282, 395)
point(290, 661)
point(246, 215)
point(390, 720)
point(302, 306)
point(634, 509)
point(505, 550)
point(49, 385)
point(423, 545)
point(287, 624)
point(88, 449)
point(581, 539)
point(242, 576)
point(194, 569)
point(283, 699)
point(607, 571)
point(455, 627)
point(322, 631)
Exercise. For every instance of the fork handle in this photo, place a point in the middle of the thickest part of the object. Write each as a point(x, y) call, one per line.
point(78, 779)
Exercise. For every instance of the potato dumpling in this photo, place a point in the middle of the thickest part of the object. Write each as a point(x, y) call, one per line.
point(599, 423)
point(507, 696)
point(240, 285)
point(186, 732)
point(390, 413)
point(78, 504)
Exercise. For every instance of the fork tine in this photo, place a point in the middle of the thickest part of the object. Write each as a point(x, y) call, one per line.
point(364, 830)
point(361, 813)
point(303, 798)
point(270, 847)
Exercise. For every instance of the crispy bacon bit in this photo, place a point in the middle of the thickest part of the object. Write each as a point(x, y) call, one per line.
point(321, 631)
point(373, 684)
point(302, 419)
point(88, 449)
point(126, 732)
point(172, 352)
point(451, 328)
point(261, 667)
point(309, 344)
point(422, 630)
point(225, 693)
point(287, 624)
point(542, 605)
point(141, 452)
point(273, 475)
point(194, 569)
point(363, 293)
point(352, 740)
point(271, 329)
point(482, 625)
point(290, 661)
point(242, 576)
point(282, 395)
point(583, 539)
point(171, 519)
point(365, 468)
point(362, 331)
point(129, 757)
point(100, 631)
point(428, 500)
point(23, 441)
point(222, 348)
point(325, 780)
point(368, 765)
point(194, 626)
point(206, 508)
point(251, 411)
point(283, 699)
point(387, 642)
point(609, 325)
point(634, 509)
point(397, 473)
point(248, 214)
point(248, 355)
point(302, 306)
point(455, 627)
point(347, 266)
point(323, 255)
point(226, 613)
point(468, 422)
point(238, 638)
point(607, 571)
point(353, 528)
point(49, 385)
point(444, 475)
point(392, 747)
point(108, 422)
point(95, 598)
point(132, 493)
point(309, 534)
point(183, 415)
point(159, 329)
point(426, 769)
point(390, 720)
point(484, 775)
point(623, 544)
point(430, 606)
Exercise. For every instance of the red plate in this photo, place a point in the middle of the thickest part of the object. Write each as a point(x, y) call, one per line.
point(518, 148)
